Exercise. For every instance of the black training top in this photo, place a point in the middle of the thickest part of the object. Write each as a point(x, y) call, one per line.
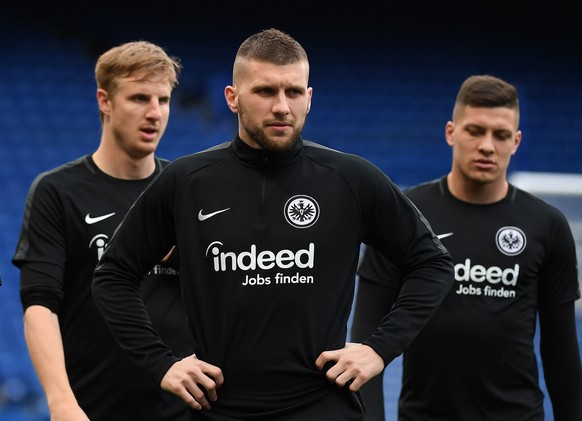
point(269, 246)
point(475, 359)
point(70, 215)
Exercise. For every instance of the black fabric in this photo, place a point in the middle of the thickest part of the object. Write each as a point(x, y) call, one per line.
point(268, 276)
point(475, 360)
point(373, 301)
point(561, 360)
point(70, 215)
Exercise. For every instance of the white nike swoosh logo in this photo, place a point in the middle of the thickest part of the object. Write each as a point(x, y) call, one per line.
point(441, 236)
point(90, 220)
point(203, 217)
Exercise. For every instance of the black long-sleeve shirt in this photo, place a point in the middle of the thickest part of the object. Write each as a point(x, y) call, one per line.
point(475, 360)
point(269, 245)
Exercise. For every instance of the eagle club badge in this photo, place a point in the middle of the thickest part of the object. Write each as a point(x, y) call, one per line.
point(301, 211)
point(510, 241)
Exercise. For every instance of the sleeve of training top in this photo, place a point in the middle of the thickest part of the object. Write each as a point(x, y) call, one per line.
point(395, 227)
point(41, 252)
point(558, 289)
point(561, 360)
point(375, 295)
point(558, 281)
point(140, 241)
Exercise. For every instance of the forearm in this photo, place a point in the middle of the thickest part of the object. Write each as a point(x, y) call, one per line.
point(43, 338)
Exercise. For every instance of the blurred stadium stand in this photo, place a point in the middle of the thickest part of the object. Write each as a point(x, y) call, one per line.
point(384, 85)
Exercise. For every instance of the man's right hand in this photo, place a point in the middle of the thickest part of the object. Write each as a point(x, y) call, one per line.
point(194, 381)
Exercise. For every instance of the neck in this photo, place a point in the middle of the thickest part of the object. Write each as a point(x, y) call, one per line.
point(120, 165)
point(480, 193)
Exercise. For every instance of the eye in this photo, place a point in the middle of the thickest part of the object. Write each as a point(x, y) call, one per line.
point(265, 91)
point(502, 135)
point(474, 131)
point(294, 93)
point(140, 98)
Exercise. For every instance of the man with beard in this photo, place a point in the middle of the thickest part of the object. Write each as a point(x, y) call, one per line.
point(269, 227)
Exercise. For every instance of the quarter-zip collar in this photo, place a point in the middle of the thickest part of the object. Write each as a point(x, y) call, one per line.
point(263, 159)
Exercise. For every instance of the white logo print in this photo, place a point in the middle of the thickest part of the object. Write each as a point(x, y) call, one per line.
point(301, 211)
point(254, 259)
point(203, 217)
point(441, 236)
point(510, 240)
point(100, 241)
point(96, 219)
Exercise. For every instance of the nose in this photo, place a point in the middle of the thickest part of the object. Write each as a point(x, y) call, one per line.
point(154, 110)
point(487, 144)
point(280, 105)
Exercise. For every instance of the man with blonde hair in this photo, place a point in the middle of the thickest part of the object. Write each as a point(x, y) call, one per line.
point(70, 216)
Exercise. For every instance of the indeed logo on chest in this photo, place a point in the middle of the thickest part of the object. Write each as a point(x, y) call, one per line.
point(253, 260)
point(265, 260)
point(491, 275)
point(499, 282)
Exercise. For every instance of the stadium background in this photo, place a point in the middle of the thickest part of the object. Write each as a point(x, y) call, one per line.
point(384, 79)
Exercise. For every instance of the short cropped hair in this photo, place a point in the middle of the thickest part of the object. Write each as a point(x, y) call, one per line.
point(486, 91)
point(270, 46)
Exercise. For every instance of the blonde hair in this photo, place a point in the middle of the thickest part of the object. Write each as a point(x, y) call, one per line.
point(133, 57)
